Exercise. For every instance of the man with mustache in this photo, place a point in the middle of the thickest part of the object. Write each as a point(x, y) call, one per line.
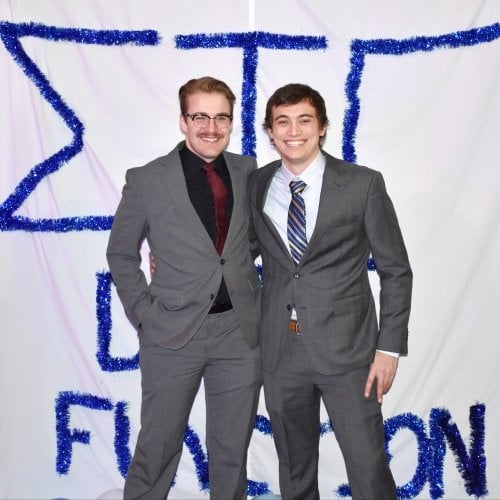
point(197, 319)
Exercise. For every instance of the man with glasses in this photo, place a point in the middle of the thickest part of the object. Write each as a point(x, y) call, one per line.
point(197, 319)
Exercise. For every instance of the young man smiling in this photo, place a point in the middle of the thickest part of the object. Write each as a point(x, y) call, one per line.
point(317, 219)
point(198, 317)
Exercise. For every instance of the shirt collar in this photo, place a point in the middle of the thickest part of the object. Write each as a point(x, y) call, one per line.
point(194, 163)
point(310, 175)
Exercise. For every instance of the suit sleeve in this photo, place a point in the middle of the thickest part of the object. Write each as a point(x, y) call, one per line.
point(123, 253)
point(391, 260)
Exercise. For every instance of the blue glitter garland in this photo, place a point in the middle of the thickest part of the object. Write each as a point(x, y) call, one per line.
point(415, 424)
point(200, 459)
point(263, 425)
point(250, 42)
point(325, 428)
point(192, 441)
point(122, 437)
point(255, 488)
point(472, 465)
point(10, 33)
point(104, 324)
point(65, 436)
point(431, 452)
point(388, 46)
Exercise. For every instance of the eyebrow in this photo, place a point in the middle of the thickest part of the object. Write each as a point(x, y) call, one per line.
point(304, 115)
point(222, 113)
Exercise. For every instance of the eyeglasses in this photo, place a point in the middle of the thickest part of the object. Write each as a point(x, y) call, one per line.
point(202, 120)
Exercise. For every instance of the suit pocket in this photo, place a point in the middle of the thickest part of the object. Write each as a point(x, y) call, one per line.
point(350, 305)
point(170, 299)
point(351, 326)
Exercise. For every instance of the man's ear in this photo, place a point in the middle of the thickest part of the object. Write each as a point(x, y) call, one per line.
point(270, 135)
point(183, 124)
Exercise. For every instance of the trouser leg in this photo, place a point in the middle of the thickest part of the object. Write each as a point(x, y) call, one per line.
point(232, 379)
point(359, 429)
point(293, 404)
point(170, 380)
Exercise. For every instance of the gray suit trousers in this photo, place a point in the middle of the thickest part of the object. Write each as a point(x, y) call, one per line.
point(293, 393)
point(232, 376)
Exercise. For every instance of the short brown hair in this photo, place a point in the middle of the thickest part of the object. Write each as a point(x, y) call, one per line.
point(294, 93)
point(206, 84)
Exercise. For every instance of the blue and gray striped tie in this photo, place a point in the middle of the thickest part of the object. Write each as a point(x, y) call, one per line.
point(296, 228)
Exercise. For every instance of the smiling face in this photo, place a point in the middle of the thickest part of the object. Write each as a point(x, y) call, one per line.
point(296, 132)
point(208, 142)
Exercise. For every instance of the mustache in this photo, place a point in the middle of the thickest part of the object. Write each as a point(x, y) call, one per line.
point(210, 135)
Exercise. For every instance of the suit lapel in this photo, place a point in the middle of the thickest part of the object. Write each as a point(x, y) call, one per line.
point(330, 192)
point(263, 186)
point(239, 187)
point(262, 189)
point(175, 184)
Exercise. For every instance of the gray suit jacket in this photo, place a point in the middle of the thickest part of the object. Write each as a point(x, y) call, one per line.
point(330, 287)
point(155, 206)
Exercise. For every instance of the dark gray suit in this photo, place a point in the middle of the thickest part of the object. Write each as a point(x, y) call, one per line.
point(331, 293)
point(179, 341)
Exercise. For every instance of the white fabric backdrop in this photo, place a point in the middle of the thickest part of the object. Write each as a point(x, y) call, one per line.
point(428, 119)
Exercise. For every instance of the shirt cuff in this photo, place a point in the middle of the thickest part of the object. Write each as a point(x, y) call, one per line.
point(393, 354)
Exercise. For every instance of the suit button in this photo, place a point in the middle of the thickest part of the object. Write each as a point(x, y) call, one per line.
point(222, 261)
point(296, 275)
point(212, 296)
point(288, 307)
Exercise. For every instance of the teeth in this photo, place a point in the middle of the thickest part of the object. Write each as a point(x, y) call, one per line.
point(295, 143)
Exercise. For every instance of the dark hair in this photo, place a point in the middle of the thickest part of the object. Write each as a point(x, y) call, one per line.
point(294, 93)
point(206, 84)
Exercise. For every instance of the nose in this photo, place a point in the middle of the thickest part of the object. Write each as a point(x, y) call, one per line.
point(211, 126)
point(294, 129)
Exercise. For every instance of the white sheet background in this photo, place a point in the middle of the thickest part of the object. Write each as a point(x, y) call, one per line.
point(428, 120)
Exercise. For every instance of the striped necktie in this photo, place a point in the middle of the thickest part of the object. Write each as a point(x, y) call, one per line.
point(296, 228)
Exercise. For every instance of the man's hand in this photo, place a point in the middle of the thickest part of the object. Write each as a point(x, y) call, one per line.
point(383, 370)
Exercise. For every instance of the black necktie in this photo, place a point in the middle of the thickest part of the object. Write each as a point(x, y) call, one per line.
point(219, 192)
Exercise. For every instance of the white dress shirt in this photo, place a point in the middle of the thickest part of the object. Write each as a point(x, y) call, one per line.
point(279, 197)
